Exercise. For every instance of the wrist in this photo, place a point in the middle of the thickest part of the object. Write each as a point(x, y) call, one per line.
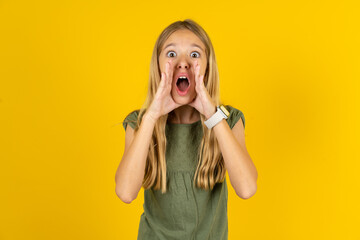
point(150, 117)
point(210, 113)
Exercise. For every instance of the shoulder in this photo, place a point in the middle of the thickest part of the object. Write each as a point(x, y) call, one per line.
point(234, 115)
point(131, 119)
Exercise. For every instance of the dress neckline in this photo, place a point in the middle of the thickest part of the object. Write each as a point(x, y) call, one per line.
point(184, 124)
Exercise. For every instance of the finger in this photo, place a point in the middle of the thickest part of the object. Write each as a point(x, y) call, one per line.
point(163, 79)
point(202, 80)
point(170, 72)
point(197, 70)
point(167, 71)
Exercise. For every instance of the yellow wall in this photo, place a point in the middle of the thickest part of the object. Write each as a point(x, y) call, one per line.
point(71, 70)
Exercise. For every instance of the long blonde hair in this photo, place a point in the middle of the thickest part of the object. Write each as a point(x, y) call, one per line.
point(210, 168)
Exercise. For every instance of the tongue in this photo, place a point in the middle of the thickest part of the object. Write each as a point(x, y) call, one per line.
point(183, 85)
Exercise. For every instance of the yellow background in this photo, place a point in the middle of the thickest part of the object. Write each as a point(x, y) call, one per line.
point(70, 71)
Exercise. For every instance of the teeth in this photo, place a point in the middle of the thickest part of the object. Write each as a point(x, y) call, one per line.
point(183, 77)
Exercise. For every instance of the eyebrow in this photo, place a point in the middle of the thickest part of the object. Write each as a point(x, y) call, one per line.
point(193, 45)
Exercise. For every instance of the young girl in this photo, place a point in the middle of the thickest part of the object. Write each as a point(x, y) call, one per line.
point(181, 142)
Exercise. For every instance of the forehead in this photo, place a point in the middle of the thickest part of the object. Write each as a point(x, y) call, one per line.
point(183, 37)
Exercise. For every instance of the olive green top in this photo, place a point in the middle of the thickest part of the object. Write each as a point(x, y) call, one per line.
point(184, 212)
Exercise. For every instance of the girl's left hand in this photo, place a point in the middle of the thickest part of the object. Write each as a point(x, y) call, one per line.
point(203, 102)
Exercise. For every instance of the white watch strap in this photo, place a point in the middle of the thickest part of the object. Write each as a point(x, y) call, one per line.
point(215, 118)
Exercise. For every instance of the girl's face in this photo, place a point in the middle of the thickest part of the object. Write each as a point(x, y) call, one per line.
point(183, 47)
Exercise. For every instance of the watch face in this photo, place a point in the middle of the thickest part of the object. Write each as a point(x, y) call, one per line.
point(225, 111)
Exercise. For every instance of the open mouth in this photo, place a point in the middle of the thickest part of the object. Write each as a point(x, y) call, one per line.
point(183, 83)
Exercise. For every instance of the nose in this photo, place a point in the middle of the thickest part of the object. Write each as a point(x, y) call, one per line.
point(183, 63)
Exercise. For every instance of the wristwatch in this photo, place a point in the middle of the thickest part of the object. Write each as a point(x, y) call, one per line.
point(221, 113)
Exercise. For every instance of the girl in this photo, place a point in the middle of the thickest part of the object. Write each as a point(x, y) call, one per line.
point(180, 144)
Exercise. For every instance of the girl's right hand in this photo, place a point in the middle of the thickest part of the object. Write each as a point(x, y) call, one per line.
point(163, 102)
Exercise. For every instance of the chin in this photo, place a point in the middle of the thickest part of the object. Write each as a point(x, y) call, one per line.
point(183, 100)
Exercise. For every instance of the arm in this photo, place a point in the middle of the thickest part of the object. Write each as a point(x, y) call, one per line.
point(131, 170)
point(241, 169)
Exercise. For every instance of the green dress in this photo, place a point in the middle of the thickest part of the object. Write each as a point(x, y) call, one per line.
point(184, 212)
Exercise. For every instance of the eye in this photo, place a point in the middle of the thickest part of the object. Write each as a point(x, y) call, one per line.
point(170, 52)
point(195, 54)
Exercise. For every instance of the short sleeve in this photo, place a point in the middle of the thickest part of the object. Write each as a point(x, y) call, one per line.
point(235, 115)
point(131, 119)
